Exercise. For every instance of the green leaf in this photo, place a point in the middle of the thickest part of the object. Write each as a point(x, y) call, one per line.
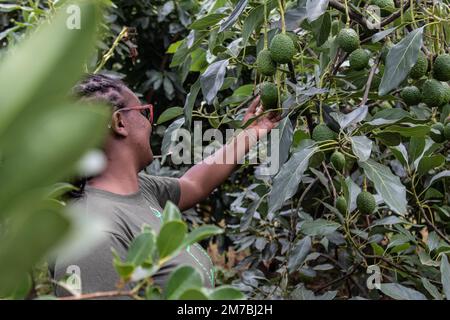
point(346, 120)
point(170, 238)
point(445, 276)
point(411, 130)
point(201, 233)
point(299, 253)
point(430, 162)
point(167, 139)
point(194, 294)
point(21, 289)
point(169, 114)
point(182, 279)
point(32, 232)
point(352, 191)
point(27, 84)
point(59, 189)
point(443, 174)
point(399, 292)
point(361, 147)
point(387, 185)
point(253, 20)
point(316, 8)
point(400, 60)
point(226, 293)
point(286, 134)
point(388, 116)
point(238, 9)
point(190, 101)
point(416, 147)
point(124, 270)
point(173, 47)
point(400, 153)
point(198, 63)
point(431, 288)
point(377, 249)
point(207, 21)
point(321, 29)
point(246, 90)
point(7, 7)
point(382, 34)
point(319, 227)
point(141, 249)
point(390, 220)
point(54, 140)
point(285, 183)
point(171, 212)
point(212, 79)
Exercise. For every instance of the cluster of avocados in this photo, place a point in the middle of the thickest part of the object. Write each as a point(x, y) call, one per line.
point(365, 203)
point(348, 40)
point(281, 51)
point(434, 92)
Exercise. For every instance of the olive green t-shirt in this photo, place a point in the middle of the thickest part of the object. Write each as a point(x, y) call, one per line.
point(125, 215)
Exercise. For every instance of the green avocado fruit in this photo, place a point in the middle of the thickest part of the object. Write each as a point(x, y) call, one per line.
point(433, 93)
point(265, 64)
point(269, 95)
point(348, 40)
point(420, 68)
point(365, 202)
point(359, 59)
point(441, 67)
point(282, 48)
point(411, 95)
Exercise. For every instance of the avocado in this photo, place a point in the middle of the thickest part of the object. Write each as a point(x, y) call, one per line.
point(420, 68)
point(441, 67)
point(447, 131)
point(359, 59)
point(269, 95)
point(341, 204)
point(282, 48)
point(365, 202)
point(437, 132)
point(433, 93)
point(386, 6)
point(411, 95)
point(348, 40)
point(337, 159)
point(446, 92)
point(265, 64)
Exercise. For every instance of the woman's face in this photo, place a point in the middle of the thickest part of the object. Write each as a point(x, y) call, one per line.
point(139, 129)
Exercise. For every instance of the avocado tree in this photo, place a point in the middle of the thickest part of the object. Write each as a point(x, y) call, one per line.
point(44, 137)
point(359, 206)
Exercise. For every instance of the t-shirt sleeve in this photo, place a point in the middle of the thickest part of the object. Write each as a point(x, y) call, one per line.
point(162, 188)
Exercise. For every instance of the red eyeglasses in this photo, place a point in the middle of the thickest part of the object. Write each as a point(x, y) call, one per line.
point(146, 111)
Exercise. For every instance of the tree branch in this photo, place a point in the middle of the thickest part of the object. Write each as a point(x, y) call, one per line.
point(353, 15)
point(395, 15)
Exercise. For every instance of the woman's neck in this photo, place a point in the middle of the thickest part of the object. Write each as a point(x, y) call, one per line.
point(118, 177)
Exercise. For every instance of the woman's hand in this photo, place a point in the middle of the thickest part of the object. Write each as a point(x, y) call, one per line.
point(263, 124)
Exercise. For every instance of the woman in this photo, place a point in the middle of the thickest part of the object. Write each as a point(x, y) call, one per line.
point(127, 198)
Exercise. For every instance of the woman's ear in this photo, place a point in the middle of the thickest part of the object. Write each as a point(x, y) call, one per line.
point(118, 124)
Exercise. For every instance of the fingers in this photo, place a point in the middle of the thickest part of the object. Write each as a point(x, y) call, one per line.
point(253, 106)
point(259, 110)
